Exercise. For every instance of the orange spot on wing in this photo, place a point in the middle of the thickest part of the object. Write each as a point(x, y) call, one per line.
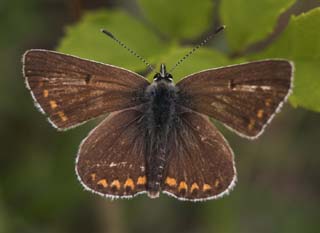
point(206, 187)
point(103, 182)
point(93, 176)
point(45, 93)
point(129, 183)
point(171, 181)
point(62, 116)
point(216, 183)
point(116, 184)
point(183, 185)
point(53, 104)
point(194, 187)
point(251, 124)
point(141, 180)
point(260, 113)
point(268, 102)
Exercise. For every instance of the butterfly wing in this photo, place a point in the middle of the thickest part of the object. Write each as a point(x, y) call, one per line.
point(111, 159)
point(244, 97)
point(73, 90)
point(201, 164)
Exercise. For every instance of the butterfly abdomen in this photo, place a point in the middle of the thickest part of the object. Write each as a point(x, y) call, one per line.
point(160, 115)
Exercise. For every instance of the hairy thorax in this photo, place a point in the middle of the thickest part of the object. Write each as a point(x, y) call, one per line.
point(161, 107)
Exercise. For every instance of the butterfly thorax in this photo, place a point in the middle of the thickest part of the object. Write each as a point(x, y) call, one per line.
point(160, 117)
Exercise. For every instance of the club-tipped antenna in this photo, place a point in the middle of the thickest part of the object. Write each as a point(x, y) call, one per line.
point(150, 67)
point(219, 29)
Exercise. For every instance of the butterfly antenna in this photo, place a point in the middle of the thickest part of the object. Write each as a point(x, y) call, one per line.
point(219, 29)
point(150, 67)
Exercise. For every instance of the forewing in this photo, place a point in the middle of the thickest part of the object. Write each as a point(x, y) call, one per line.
point(243, 97)
point(201, 163)
point(71, 90)
point(111, 159)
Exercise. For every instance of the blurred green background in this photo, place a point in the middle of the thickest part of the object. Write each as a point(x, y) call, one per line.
point(279, 176)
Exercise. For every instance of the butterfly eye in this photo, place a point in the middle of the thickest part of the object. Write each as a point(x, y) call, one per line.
point(169, 76)
point(156, 77)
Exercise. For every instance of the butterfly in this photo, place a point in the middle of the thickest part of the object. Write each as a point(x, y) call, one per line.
point(157, 137)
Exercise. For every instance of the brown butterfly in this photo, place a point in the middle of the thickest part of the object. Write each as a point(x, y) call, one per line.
point(157, 136)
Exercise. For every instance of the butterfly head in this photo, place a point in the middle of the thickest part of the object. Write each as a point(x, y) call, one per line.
point(163, 75)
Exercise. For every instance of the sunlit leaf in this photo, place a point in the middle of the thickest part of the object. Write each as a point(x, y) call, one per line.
point(84, 39)
point(179, 19)
point(249, 21)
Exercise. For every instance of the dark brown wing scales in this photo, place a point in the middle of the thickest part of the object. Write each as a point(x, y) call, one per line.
point(111, 159)
point(243, 97)
point(201, 164)
point(73, 90)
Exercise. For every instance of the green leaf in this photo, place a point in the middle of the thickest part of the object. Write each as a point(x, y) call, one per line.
point(249, 21)
point(179, 19)
point(202, 59)
point(300, 42)
point(84, 39)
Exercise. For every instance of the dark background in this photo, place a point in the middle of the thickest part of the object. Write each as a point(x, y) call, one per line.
point(279, 178)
